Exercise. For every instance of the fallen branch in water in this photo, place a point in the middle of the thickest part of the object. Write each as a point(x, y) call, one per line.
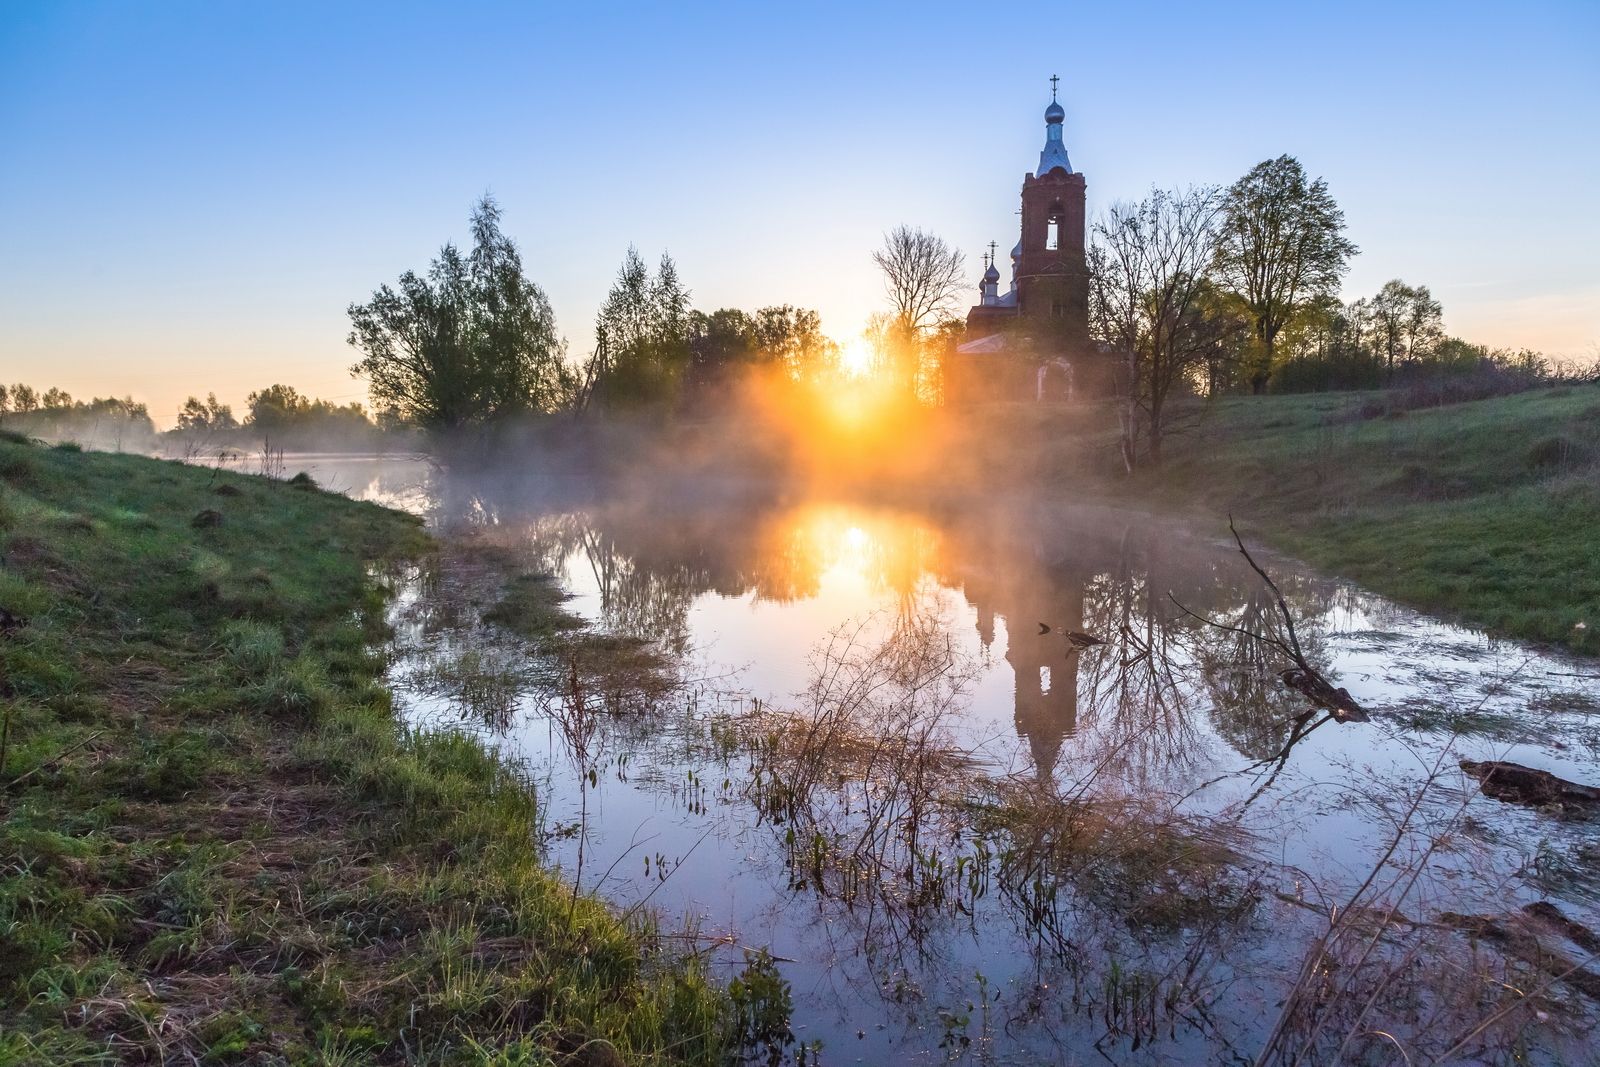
point(1516, 784)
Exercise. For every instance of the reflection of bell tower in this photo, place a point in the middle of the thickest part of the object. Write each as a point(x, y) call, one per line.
point(1045, 666)
point(1005, 573)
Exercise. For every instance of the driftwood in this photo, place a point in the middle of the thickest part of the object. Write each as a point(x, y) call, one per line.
point(1516, 784)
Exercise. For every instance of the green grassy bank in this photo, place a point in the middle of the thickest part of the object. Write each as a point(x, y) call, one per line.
point(216, 843)
point(1486, 511)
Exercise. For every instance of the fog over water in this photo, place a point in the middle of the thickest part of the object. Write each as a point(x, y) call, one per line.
point(1010, 849)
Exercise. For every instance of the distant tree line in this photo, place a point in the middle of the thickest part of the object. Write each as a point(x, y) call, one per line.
point(278, 417)
point(110, 423)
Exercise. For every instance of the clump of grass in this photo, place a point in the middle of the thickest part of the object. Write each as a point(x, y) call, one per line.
point(302, 480)
point(531, 606)
point(254, 648)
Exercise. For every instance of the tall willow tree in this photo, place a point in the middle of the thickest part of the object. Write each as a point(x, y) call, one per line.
point(468, 345)
point(1282, 246)
point(642, 336)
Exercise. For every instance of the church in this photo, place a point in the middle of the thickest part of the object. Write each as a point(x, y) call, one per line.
point(1031, 343)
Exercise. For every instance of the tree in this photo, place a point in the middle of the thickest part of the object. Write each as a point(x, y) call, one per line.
point(24, 398)
point(472, 343)
point(1154, 304)
point(56, 400)
point(208, 417)
point(1282, 244)
point(276, 409)
point(642, 335)
point(1407, 324)
point(922, 275)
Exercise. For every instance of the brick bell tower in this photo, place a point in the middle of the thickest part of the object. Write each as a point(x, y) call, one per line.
point(1053, 269)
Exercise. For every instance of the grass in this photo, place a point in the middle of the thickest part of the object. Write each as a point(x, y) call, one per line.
point(1487, 511)
point(217, 845)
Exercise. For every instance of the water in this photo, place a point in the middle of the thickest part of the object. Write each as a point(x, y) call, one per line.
point(1011, 851)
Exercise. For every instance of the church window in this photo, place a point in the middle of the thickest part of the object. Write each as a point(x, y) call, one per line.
point(1058, 308)
point(1044, 680)
point(1052, 234)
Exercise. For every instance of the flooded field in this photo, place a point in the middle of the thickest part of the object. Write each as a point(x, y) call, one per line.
point(997, 782)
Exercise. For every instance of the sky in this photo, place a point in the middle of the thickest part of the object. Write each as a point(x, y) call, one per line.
point(191, 195)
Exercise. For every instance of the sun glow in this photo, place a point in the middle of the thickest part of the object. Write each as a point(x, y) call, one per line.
point(856, 358)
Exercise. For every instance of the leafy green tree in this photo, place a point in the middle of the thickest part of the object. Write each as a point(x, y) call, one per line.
point(785, 337)
point(276, 409)
point(1282, 244)
point(1407, 324)
point(642, 336)
point(472, 343)
point(24, 398)
point(207, 417)
point(56, 400)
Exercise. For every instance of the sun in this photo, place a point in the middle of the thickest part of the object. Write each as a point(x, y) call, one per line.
point(856, 358)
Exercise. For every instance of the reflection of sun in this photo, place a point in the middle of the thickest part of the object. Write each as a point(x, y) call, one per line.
point(856, 358)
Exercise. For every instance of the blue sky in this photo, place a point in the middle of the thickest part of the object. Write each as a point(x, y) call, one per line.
point(191, 194)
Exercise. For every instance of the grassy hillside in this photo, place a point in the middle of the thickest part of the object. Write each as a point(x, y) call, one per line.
point(216, 844)
point(1488, 511)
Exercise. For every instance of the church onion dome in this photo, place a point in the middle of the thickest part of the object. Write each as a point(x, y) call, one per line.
point(1016, 253)
point(991, 275)
point(1054, 156)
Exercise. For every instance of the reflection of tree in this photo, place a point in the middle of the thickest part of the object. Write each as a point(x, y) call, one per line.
point(1133, 695)
point(1239, 665)
point(650, 559)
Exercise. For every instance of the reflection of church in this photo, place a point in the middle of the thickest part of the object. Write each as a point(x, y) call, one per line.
point(1026, 593)
point(1032, 342)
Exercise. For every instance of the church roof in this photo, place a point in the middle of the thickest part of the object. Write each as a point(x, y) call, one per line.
point(995, 342)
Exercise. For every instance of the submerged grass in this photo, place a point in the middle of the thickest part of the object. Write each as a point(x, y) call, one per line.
point(217, 845)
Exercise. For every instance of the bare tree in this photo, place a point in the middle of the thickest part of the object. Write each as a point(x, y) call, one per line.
point(923, 275)
point(1282, 245)
point(1154, 303)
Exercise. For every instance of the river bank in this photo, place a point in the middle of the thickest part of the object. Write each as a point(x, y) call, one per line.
point(1486, 511)
point(216, 841)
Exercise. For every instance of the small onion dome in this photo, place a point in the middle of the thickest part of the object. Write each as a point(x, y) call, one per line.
point(1016, 253)
point(1055, 114)
point(991, 275)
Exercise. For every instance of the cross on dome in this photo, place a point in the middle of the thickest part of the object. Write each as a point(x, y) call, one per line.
point(1054, 156)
